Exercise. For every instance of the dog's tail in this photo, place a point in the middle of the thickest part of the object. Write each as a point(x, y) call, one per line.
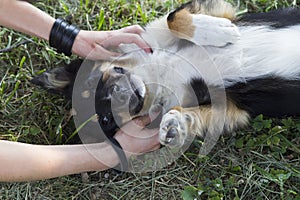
point(59, 80)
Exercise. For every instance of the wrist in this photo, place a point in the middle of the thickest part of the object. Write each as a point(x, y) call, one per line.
point(80, 45)
point(123, 162)
point(62, 36)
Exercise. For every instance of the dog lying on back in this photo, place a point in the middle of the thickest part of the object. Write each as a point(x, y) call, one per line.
point(209, 72)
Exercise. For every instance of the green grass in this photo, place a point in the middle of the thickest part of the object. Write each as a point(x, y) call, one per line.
point(261, 162)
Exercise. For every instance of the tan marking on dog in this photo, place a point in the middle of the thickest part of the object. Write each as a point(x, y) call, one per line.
point(106, 75)
point(54, 82)
point(235, 117)
point(218, 8)
point(182, 24)
point(224, 10)
point(199, 118)
point(178, 108)
point(86, 94)
point(105, 69)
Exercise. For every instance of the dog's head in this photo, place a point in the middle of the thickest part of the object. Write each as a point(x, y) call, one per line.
point(120, 94)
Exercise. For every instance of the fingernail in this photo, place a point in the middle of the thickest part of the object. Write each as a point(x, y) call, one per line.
point(148, 50)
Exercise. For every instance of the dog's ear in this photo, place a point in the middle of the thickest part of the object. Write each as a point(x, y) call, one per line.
point(60, 79)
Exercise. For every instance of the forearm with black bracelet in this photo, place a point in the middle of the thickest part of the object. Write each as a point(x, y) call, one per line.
point(62, 36)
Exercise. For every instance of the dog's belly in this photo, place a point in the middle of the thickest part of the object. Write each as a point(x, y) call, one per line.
point(270, 51)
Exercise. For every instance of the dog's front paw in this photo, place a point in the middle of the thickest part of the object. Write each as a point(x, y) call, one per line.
point(214, 31)
point(173, 129)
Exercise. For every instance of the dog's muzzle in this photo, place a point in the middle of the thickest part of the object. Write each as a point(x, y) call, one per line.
point(127, 94)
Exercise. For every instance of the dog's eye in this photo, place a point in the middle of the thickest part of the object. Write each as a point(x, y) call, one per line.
point(105, 120)
point(119, 70)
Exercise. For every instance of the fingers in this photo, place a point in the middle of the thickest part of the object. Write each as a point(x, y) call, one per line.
point(150, 133)
point(100, 53)
point(136, 139)
point(134, 127)
point(136, 29)
point(155, 147)
point(95, 44)
point(144, 141)
point(126, 38)
point(142, 121)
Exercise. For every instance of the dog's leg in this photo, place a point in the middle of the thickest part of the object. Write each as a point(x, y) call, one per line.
point(180, 123)
point(205, 23)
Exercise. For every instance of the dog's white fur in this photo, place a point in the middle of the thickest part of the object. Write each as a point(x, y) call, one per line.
point(273, 50)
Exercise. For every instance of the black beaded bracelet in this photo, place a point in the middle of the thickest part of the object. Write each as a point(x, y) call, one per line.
point(62, 36)
point(123, 166)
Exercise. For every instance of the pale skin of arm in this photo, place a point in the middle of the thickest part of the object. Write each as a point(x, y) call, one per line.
point(26, 162)
point(24, 17)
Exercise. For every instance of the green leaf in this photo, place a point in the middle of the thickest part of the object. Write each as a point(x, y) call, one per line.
point(266, 174)
point(236, 168)
point(251, 143)
point(298, 127)
point(240, 143)
point(189, 193)
point(22, 61)
point(288, 123)
point(259, 123)
point(34, 130)
point(277, 129)
point(275, 140)
point(101, 19)
point(292, 192)
point(284, 177)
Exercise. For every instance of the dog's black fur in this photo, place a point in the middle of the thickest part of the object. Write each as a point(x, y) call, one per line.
point(259, 96)
point(280, 18)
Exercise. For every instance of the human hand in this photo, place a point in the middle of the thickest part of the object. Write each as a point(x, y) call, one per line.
point(136, 139)
point(94, 44)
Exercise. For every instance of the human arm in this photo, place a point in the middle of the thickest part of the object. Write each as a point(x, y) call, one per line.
point(27, 162)
point(24, 17)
